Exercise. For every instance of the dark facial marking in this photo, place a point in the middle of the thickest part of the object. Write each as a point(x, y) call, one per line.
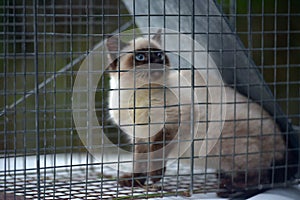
point(141, 57)
point(157, 56)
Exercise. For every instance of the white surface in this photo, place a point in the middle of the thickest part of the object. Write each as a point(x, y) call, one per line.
point(210, 196)
point(291, 193)
point(29, 162)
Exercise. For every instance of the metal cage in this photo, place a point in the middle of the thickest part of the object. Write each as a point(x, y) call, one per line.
point(45, 153)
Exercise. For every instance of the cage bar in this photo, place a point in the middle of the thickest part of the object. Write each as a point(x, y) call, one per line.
point(46, 153)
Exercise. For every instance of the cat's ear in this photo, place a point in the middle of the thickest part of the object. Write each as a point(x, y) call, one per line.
point(114, 44)
point(157, 36)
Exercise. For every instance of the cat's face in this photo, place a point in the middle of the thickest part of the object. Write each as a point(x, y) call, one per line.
point(142, 57)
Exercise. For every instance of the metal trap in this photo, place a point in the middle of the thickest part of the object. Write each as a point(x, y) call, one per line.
point(45, 154)
point(78, 182)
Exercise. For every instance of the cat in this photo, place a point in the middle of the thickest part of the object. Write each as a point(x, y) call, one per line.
point(250, 140)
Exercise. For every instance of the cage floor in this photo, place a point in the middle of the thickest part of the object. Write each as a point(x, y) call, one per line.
point(80, 184)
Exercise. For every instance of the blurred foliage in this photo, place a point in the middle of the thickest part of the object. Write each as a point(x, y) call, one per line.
point(269, 29)
point(65, 31)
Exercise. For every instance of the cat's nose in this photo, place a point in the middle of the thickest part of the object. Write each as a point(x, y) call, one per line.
point(157, 67)
point(157, 60)
point(157, 70)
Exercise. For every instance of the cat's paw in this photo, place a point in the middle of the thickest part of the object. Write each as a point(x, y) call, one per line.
point(157, 175)
point(226, 187)
point(132, 180)
point(242, 184)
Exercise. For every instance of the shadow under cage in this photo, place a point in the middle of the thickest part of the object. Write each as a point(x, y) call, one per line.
point(145, 99)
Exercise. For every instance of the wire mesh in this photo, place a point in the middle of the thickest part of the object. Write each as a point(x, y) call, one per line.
point(44, 43)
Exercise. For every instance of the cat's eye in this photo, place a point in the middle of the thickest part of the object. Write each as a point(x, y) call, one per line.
point(140, 57)
point(160, 55)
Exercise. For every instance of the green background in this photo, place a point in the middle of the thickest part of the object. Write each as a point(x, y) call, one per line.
point(270, 29)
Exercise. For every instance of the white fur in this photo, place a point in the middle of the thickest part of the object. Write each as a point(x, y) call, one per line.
point(249, 137)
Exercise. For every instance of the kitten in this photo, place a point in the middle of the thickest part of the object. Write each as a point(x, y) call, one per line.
point(249, 142)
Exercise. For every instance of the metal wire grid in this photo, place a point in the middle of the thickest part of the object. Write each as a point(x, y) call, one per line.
point(43, 45)
point(98, 186)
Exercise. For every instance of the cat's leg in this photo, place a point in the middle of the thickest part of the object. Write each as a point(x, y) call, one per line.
point(138, 177)
point(244, 166)
point(159, 152)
